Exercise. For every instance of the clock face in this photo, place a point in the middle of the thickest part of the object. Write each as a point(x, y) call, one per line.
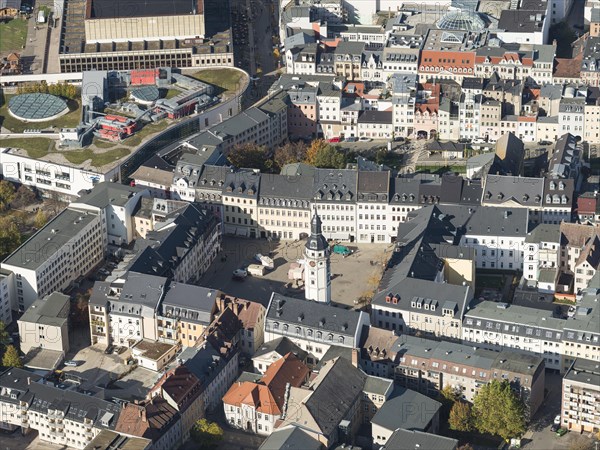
point(313, 264)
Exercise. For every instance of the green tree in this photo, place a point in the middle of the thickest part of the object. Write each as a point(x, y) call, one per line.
point(206, 434)
point(40, 219)
point(10, 238)
point(7, 194)
point(250, 156)
point(11, 357)
point(290, 152)
point(330, 158)
point(497, 410)
point(460, 417)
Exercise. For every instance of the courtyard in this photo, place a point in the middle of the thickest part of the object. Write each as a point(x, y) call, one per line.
point(352, 276)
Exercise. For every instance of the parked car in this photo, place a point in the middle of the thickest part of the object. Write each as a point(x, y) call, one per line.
point(561, 432)
point(334, 139)
point(554, 428)
point(557, 420)
point(365, 139)
point(351, 139)
point(109, 349)
point(545, 142)
point(71, 363)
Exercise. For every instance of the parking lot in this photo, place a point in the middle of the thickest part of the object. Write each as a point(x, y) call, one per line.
point(95, 367)
point(350, 275)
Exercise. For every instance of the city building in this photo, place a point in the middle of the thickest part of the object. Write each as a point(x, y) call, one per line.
point(45, 324)
point(256, 407)
point(580, 397)
point(313, 326)
point(61, 417)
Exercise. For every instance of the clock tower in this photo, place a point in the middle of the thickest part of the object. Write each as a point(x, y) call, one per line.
point(317, 271)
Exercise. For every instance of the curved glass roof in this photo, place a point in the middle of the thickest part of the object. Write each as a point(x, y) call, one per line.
point(461, 20)
point(36, 106)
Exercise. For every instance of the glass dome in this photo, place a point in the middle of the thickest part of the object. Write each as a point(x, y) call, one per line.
point(461, 20)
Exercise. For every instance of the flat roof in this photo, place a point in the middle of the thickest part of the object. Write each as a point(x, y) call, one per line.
point(113, 9)
point(52, 310)
point(152, 349)
point(50, 240)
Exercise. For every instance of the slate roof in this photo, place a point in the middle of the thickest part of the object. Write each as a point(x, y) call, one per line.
point(290, 438)
point(408, 409)
point(410, 440)
point(281, 346)
point(242, 184)
point(314, 315)
point(335, 185)
point(520, 316)
point(373, 186)
point(42, 397)
point(190, 303)
point(328, 404)
point(553, 189)
point(375, 117)
point(500, 189)
point(295, 191)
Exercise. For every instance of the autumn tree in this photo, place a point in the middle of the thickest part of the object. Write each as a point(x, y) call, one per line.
point(250, 156)
point(460, 417)
point(206, 434)
point(497, 410)
point(3, 332)
point(40, 219)
point(315, 147)
point(11, 357)
point(7, 194)
point(23, 197)
point(290, 152)
point(322, 154)
point(10, 238)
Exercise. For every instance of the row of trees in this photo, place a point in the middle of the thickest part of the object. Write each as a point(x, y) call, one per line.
point(496, 410)
point(318, 154)
point(65, 90)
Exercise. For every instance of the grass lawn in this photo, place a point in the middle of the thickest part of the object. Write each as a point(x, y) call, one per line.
point(148, 129)
point(36, 147)
point(226, 80)
point(69, 120)
point(440, 169)
point(98, 159)
point(169, 93)
point(103, 144)
point(13, 35)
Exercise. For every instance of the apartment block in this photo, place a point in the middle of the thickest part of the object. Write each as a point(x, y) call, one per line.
point(429, 366)
point(580, 410)
point(61, 417)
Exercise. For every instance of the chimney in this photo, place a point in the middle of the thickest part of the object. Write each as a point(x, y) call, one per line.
point(28, 381)
point(355, 357)
point(143, 415)
point(247, 305)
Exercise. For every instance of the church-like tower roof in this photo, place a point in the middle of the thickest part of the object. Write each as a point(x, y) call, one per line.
point(316, 241)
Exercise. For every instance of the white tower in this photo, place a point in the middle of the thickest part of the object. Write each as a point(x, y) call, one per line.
point(317, 272)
